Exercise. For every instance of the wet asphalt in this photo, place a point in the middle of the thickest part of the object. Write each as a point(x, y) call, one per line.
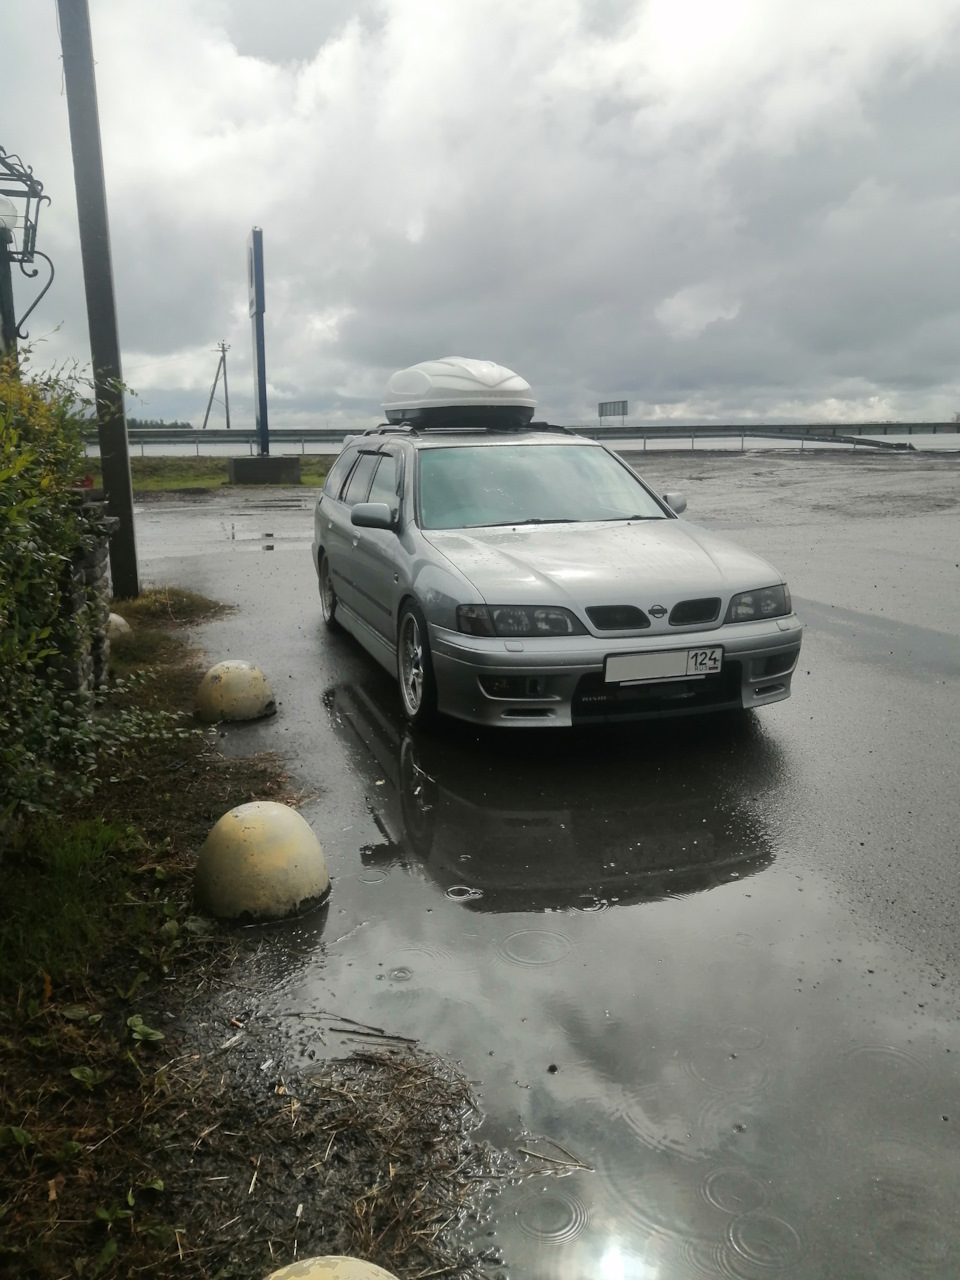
point(718, 960)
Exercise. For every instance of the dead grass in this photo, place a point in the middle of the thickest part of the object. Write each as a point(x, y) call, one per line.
point(200, 1175)
point(171, 606)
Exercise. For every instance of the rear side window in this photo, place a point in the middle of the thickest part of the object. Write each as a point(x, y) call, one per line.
point(359, 481)
point(338, 472)
point(384, 487)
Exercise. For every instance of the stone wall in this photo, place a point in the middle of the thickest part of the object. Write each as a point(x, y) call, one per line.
point(85, 603)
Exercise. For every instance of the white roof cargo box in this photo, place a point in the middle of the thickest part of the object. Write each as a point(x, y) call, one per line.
point(454, 384)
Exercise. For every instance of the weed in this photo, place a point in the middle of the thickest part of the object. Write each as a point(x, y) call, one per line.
point(168, 605)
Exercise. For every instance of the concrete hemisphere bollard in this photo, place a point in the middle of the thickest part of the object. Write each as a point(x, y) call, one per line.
point(331, 1268)
point(234, 691)
point(261, 861)
point(117, 627)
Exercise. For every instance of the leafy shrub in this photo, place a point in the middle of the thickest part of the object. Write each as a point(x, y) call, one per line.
point(51, 742)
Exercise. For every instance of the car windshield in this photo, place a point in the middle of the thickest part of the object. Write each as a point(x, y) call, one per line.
point(476, 486)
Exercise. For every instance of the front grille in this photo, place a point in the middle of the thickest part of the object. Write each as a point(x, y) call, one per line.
point(688, 612)
point(594, 699)
point(618, 617)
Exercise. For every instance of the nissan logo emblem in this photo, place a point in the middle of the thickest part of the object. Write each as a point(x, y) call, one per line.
point(658, 611)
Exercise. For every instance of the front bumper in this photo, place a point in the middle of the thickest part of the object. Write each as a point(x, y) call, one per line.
point(564, 681)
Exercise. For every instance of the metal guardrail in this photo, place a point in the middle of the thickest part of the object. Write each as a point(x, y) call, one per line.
point(846, 433)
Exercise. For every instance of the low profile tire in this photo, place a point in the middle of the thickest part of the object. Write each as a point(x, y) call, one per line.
point(328, 597)
point(418, 688)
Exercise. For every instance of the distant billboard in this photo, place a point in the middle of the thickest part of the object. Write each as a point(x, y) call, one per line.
point(612, 409)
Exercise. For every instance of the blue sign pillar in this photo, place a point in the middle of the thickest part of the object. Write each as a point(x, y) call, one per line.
point(257, 307)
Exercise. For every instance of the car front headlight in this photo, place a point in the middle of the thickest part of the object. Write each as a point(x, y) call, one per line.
point(518, 620)
point(753, 606)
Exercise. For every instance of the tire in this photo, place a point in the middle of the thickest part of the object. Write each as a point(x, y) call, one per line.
point(418, 687)
point(328, 597)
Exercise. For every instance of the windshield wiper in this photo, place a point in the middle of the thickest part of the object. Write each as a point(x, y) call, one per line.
point(634, 517)
point(501, 524)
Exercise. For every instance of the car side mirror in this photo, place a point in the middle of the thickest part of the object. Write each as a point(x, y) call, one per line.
point(677, 502)
point(372, 515)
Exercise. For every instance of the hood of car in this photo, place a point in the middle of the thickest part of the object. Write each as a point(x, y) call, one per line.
point(644, 563)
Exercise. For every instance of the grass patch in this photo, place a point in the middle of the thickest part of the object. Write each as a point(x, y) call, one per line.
point(72, 886)
point(160, 474)
point(97, 917)
point(161, 671)
point(168, 606)
point(74, 878)
point(130, 1147)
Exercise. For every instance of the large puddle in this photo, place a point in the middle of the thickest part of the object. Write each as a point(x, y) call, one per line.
point(620, 939)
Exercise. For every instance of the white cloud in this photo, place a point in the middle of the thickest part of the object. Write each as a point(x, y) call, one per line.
point(686, 313)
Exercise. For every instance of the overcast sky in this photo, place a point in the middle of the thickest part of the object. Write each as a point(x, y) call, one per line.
point(716, 209)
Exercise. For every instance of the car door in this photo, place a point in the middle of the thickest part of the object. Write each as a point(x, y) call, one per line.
point(377, 552)
point(339, 535)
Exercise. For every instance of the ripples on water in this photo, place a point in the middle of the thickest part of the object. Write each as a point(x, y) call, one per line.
point(885, 1065)
point(761, 1242)
point(463, 893)
point(534, 947)
point(552, 1215)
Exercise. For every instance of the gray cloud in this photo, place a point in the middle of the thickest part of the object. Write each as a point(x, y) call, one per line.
point(712, 209)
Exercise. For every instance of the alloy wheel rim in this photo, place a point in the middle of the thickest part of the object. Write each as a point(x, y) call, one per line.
point(411, 659)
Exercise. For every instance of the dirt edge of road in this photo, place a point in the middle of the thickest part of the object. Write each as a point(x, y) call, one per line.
point(127, 1147)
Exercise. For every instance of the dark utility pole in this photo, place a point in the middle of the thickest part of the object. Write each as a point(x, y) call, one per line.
point(98, 282)
point(257, 307)
point(224, 348)
point(8, 323)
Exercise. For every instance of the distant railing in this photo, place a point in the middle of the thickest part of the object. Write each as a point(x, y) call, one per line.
point(840, 433)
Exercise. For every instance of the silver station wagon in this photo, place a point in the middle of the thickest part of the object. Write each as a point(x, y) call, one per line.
point(512, 573)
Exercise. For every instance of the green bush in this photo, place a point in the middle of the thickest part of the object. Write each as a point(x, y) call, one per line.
point(52, 742)
point(40, 458)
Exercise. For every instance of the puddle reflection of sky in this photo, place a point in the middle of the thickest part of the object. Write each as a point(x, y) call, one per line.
point(637, 974)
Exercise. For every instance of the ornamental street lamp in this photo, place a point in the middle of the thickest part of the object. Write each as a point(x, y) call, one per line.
point(21, 197)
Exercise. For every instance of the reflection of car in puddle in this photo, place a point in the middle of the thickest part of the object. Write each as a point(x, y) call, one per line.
point(583, 823)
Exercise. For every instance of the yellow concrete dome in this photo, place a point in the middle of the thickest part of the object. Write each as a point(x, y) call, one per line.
point(331, 1269)
point(234, 691)
point(260, 861)
point(117, 626)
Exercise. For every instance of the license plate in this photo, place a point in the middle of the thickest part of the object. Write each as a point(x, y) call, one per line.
point(669, 664)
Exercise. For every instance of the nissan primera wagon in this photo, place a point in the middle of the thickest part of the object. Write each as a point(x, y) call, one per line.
point(510, 573)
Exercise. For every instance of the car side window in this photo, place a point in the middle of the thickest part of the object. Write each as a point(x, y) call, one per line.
point(338, 473)
point(384, 487)
point(359, 482)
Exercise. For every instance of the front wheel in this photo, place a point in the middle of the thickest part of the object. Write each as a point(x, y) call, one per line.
point(328, 597)
point(418, 688)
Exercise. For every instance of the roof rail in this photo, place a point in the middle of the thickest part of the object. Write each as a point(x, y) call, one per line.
point(461, 429)
point(486, 429)
point(551, 426)
point(387, 428)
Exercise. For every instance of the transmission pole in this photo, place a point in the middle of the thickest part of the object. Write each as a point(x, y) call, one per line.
point(84, 118)
point(223, 348)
